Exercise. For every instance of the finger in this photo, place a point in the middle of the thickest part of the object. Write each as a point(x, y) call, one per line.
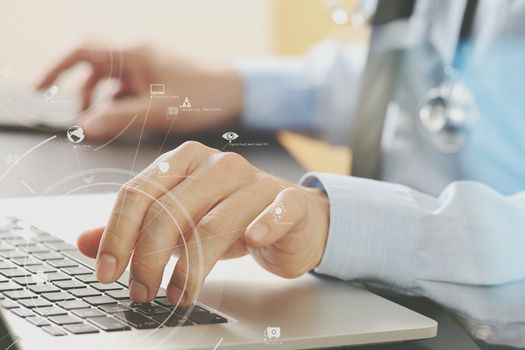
point(133, 201)
point(173, 214)
point(74, 57)
point(87, 89)
point(89, 241)
point(216, 233)
point(112, 119)
point(279, 218)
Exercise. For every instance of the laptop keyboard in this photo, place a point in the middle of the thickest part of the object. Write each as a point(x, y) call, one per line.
point(50, 284)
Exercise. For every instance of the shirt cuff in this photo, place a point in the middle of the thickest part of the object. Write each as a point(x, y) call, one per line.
point(372, 234)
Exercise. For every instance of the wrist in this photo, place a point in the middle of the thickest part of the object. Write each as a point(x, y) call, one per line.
point(320, 217)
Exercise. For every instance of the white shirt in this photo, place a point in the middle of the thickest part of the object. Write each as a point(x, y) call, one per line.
point(448, 227)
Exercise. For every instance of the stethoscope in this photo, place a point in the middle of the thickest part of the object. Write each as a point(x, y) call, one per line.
point(447, 112)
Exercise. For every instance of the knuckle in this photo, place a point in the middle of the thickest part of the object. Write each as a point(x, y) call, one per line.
point(291, 194)
point(212, 224)
point(191, 146)
point(231, 159)
point(266, 181)
point(142, 267)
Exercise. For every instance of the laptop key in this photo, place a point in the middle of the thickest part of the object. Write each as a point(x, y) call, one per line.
point(113, 308)
point(47, 239)
point(23, 312)
point(64, 319)
point(20, 294)
point(38, 321)
point(27, 280)
point(3, 279)
point(86, 313)
point(26, 261)
point(73, 304)
point(118, 294)
point(149, 308)
point(7, 286)
point(56, 276)
point(38, 248)
point(62, 263)
point(206, 318)
point(91, 278)
point(105, 287)
point(49, 311)
point(15, 272)
point(171, 320)
point(60, 246)
point(9, 304)
point(85, 292)
point(81, 329)
point(13, 254)
point(43, 288)
point(5, 264)
point(78, 270)
point(109, 324)
point(40, 269)
point(136, 320)
point(71, 284)
point(34, 303)
point(57, 296)
point(54, 331)
point(100, 300)
point(48, 256)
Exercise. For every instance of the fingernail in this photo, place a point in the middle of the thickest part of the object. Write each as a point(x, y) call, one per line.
point(138, 292)
point(106, 268)
point(259, 232)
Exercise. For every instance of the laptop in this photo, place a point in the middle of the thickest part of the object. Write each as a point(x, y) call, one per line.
point(50, 298)
point(51, 109)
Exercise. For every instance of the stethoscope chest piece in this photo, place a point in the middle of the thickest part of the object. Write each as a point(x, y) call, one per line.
point(447, 114)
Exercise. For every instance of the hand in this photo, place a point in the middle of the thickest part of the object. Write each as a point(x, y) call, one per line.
point(234, 207)
point(137, 68)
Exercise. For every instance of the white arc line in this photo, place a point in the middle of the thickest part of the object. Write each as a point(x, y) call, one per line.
point(218, 344)
point(23, 155)
point(27, 186)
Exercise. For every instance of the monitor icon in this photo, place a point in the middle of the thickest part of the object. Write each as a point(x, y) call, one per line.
point(157, 89)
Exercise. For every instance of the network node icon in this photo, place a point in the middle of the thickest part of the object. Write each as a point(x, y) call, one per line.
point(75, 134)
point(186, 103)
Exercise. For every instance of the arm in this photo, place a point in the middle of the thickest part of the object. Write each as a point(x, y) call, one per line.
point(315, 92)
point(464, 249)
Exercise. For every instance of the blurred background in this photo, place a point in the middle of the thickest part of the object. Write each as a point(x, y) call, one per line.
point(33, 33)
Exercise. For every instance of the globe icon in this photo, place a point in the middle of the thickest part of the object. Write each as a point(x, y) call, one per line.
point(75, 134)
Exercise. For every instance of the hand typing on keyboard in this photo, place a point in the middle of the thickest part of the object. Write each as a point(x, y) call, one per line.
point(206, 205)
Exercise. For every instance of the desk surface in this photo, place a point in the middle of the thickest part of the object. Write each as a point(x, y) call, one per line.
point(56, 167)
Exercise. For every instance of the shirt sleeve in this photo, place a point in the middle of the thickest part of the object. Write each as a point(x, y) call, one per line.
point(316, 92)
point(465, 249)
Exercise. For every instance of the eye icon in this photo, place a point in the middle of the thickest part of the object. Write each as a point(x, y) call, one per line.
point(229, 136)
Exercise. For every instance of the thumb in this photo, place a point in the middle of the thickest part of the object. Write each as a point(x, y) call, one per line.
point(88, 241)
